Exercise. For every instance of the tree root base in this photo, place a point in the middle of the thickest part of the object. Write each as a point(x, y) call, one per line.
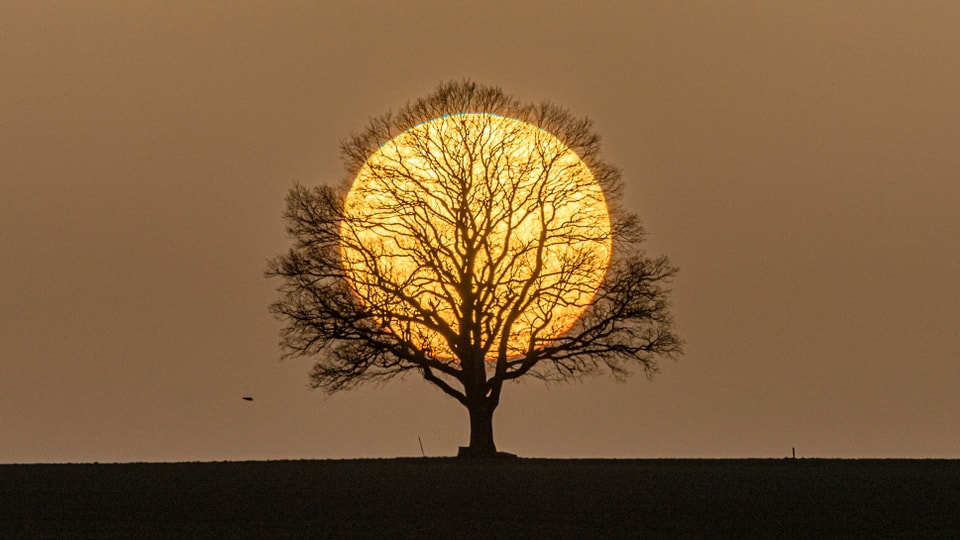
point(467, 452)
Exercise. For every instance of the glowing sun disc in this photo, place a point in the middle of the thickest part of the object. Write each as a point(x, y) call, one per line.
point(475, 219)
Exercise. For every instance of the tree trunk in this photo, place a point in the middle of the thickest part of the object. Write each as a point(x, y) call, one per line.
point(481, 431)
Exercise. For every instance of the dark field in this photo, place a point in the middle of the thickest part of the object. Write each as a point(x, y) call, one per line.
point(508, 498)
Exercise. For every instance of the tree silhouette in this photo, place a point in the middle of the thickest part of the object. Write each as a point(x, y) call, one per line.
point(477, 240)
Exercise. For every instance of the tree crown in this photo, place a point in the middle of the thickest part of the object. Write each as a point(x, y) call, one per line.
point(479, 239)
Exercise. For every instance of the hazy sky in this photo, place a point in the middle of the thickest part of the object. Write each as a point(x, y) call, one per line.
point(800, 162)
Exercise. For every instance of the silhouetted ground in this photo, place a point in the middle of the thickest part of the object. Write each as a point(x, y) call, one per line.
point(509, 498)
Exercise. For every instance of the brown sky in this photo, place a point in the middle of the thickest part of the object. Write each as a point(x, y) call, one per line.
point(798, 161)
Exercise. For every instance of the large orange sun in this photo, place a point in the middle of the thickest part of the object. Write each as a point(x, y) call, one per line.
point(478, 219)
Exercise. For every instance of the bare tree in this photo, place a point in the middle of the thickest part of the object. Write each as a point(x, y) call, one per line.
point(477, 240)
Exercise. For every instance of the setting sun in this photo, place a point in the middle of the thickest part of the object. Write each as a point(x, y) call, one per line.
point(476, 217)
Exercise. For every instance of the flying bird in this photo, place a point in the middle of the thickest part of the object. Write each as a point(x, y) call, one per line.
point(247, 398)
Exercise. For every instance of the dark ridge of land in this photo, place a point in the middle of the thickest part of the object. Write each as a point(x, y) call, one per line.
point(505, 498)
